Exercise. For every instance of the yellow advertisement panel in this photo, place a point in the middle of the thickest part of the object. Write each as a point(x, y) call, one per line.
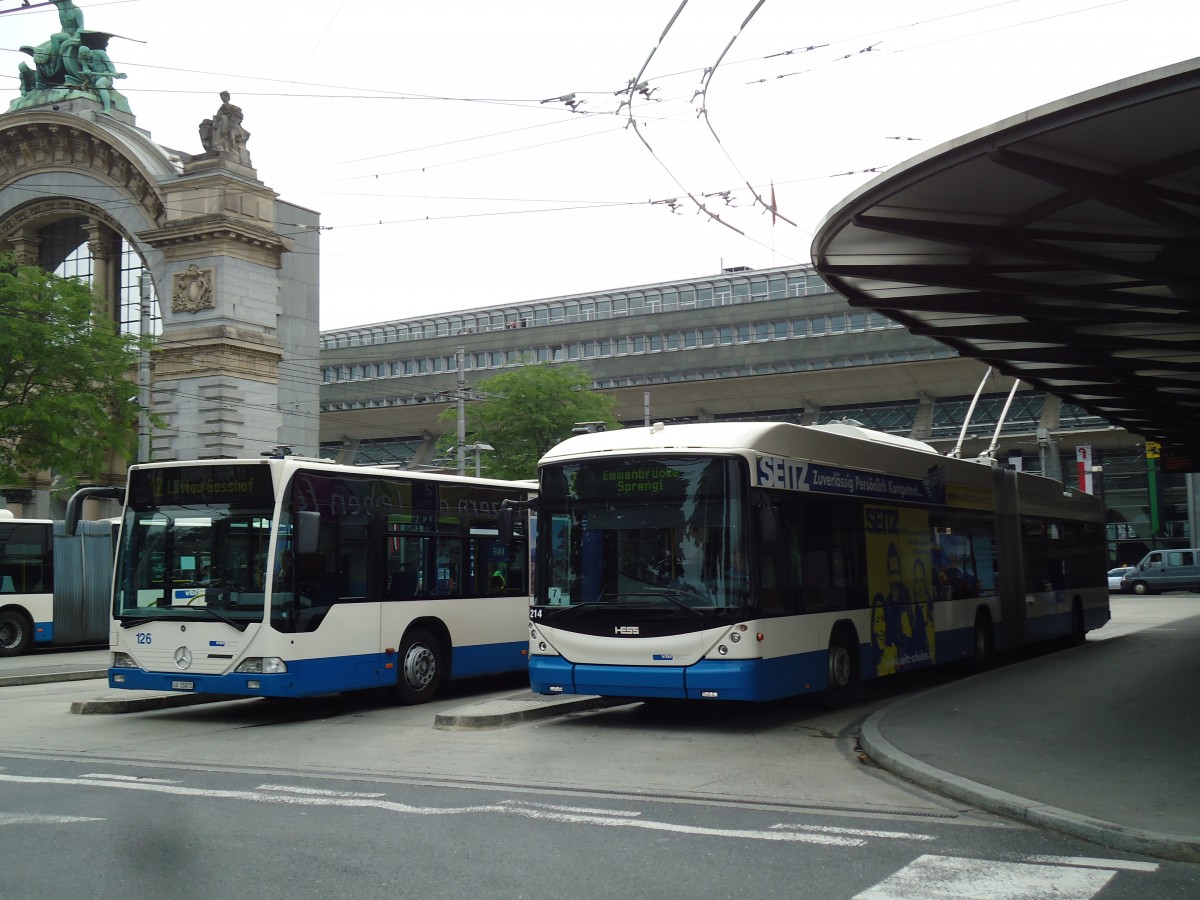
point(970, 496)
point(899, 581)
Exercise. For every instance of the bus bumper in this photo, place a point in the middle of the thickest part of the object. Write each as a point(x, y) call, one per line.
point(304, 678)
point(735, 679)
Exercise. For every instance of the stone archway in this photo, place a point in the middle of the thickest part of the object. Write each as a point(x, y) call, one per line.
point(234, 372)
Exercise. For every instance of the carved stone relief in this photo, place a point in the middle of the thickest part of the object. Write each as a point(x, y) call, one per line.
point(193, 290)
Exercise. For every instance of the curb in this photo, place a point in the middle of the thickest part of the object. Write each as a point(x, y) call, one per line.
point(514, 710)
point(115, 705)
point(50, 677)
point(1097, 831)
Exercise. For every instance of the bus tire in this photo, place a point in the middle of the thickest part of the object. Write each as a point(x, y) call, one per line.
point(1140, 588)
point(843, 668)
point(983, 641)
point(15, 632)
point(1078, 634)
point(421, 666)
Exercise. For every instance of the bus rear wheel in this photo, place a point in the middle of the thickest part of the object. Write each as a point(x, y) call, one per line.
point(1078, 633)
point(421, 667)
point(14, 633)
point(984, 648)
point(843, 670)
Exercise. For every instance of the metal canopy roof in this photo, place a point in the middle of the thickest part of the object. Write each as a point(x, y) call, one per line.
point(1061, 246)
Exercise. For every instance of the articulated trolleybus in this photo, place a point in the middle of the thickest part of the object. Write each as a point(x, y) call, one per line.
point(752, 561)
point(295, 577)
point(54, 586)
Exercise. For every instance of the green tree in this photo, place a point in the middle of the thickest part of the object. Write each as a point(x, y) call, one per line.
point(65, 396)
point(527, 411)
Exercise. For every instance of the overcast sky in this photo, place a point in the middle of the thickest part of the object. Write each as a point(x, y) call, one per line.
point(448, 176)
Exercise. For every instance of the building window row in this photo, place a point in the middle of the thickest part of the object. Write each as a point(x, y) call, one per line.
point(602, 348)
point(639, 380)
point(753, 288)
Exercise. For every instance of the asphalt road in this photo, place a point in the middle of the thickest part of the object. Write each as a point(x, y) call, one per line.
point(351, 795)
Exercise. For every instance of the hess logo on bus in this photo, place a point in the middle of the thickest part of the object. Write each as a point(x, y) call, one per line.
point(627, 630)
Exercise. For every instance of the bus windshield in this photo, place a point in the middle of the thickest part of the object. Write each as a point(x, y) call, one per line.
point(203, 559)
point(663, 532)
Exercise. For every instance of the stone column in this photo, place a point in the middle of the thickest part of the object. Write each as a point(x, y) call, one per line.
point(26, 244)
point(104, 247)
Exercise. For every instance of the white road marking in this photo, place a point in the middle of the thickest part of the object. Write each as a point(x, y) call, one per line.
point(949, 878)
point(35, 819)
point(1089, 862)
point(597, 817)
point(314, 792)
point(130, 778)
point(625, 813)
point(858, 832)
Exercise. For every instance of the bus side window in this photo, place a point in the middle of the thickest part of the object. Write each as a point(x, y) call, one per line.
point(403, 584)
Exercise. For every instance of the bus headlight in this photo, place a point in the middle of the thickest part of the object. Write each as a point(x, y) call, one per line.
point(262, 665)
point(123, 661)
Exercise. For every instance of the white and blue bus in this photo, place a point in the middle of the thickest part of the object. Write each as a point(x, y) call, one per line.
point(54, 586)
point(754, 561)
point(296, 577)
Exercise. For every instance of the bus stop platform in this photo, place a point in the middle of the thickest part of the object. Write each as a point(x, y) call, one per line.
point(1098, 741)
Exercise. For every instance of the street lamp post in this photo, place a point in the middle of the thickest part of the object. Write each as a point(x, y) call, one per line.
point(478, 448)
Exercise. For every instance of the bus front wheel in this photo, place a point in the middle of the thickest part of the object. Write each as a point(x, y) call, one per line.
point(14, 633)
point(421, 667)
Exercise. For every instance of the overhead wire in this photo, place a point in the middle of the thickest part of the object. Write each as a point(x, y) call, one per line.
point(711, 71)
point(628, 91)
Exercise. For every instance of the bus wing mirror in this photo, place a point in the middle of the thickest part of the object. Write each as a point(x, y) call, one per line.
point(306, 532)
point(506, 518)
point(75, 503)
point(505, 524)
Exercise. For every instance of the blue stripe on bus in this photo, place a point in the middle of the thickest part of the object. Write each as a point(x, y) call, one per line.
point(489, 659)
point(306, 677)
point(956, 644)
point(43, 632)
point(310, 677)
point(759, 679)
point(734, 679)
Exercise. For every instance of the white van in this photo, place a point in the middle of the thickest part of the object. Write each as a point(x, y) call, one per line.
point(1164, 570)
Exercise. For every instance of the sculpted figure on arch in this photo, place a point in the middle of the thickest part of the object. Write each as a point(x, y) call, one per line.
point(224, 132)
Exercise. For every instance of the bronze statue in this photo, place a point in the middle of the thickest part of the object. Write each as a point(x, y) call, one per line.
point(97, 72)
point(72, 62)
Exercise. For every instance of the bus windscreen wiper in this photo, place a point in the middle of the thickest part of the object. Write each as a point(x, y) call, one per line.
point(672, 597)
point(240, 626)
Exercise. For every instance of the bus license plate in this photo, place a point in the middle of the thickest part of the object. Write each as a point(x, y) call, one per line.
point(183, 685)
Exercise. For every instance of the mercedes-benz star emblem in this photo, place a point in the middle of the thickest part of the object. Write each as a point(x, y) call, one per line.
point(183, 657)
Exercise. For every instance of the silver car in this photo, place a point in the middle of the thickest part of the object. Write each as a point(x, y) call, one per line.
point(1114, 576)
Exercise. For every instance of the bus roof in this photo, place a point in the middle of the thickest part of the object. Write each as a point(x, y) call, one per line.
point(781, 438)
point(289, 464)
